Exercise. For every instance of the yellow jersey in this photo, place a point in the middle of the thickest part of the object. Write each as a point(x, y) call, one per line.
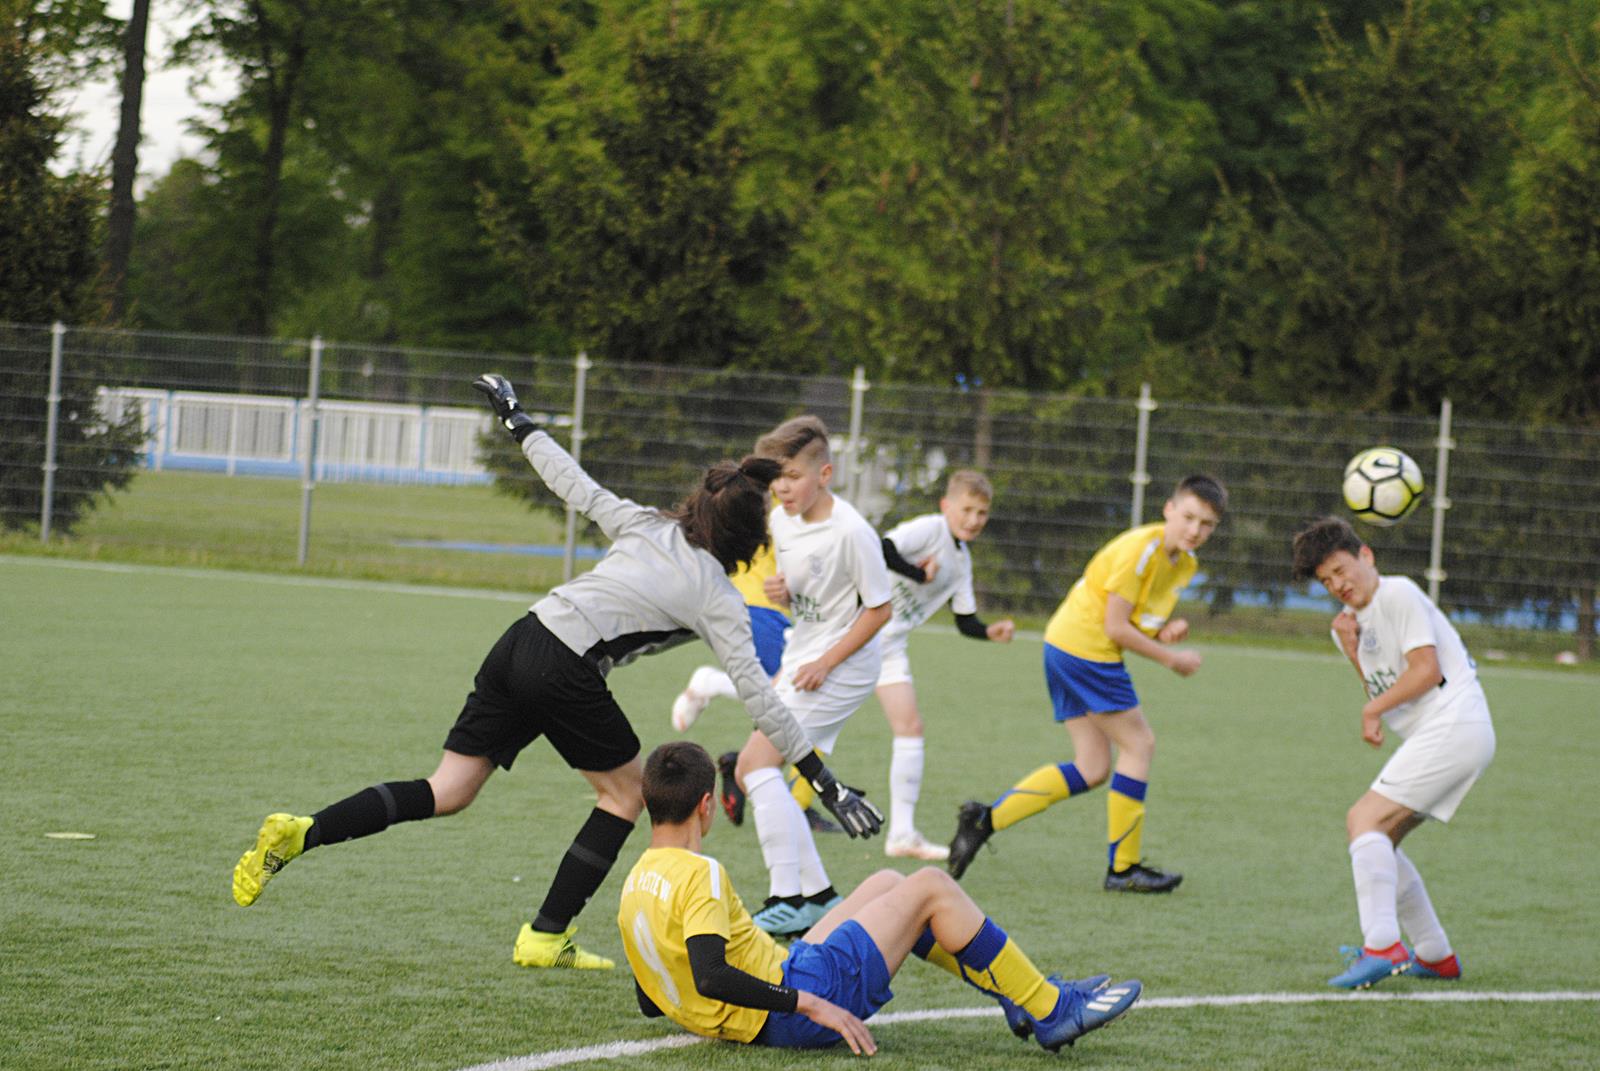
point(749, 578)
point(1134, 566)
point(671, 895)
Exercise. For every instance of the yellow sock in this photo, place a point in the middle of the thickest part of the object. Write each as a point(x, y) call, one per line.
point(1124, 821)
point(800, 788)
point(1043, 787)
point(993, 963)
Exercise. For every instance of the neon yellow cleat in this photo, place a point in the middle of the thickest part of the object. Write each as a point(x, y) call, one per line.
point(282, 837)
point(535, 949)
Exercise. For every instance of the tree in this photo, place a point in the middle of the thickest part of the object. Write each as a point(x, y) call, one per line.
point(125, 159)
point(1365, 297)
point(983, 223)
point(631, 234)
point(48, 272)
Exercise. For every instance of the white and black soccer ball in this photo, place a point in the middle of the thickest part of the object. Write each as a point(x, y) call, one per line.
point(1382, 485)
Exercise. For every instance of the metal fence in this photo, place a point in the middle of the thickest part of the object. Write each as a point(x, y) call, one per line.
point(1509, 535)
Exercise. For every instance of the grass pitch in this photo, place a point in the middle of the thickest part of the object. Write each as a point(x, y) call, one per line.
point(167, 712)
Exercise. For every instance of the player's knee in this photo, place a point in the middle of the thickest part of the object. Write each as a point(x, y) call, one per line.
point(449, 797)
point(1093, 771)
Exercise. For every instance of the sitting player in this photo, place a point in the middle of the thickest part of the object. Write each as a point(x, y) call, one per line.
point(699, 959)
point(1122, 602)
point(1419, 679)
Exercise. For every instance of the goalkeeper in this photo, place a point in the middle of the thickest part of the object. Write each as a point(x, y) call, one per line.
point(664, 582)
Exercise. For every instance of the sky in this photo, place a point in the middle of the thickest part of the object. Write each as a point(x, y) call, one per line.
point(168, 102)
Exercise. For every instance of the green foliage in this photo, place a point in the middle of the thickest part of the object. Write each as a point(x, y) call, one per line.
point(1364, 297)
point(47, 273)
point(982, 226)
point(631, 231)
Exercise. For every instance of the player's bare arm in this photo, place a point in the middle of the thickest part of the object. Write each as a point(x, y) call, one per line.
point(809, 677)
point(1119, 627)
point(1421, 675)
point(1174, 631)
point(776, 588)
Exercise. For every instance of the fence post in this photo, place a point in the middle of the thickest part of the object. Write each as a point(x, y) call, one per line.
point(570, 549)
point(1441, 502)
point(858, 394)
point(58, 331)
point(1141, 450)
point(308, 471)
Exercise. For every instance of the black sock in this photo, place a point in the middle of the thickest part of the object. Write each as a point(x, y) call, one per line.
point(582, 869)
point(372, 810)
point(793, 901)
point(822, 897)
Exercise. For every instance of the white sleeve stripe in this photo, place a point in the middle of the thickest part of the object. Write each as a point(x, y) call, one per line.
point(1144, 558)
point(716, 880)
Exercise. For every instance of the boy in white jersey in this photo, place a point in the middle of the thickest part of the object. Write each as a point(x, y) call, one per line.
point(934, 565)
point(832, 578)
point(698, 959)
point(1419, 679)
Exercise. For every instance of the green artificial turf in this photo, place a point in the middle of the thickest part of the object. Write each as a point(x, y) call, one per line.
point(167, 711)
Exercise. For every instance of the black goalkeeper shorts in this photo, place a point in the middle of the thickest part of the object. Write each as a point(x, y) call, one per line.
point(532, 685)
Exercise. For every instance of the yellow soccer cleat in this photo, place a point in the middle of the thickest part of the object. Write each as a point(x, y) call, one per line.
point(282, 837)
point(536, 949)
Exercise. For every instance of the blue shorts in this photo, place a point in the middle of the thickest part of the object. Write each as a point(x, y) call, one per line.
point(846, 969)
point(769, 627)
point(1079, 686)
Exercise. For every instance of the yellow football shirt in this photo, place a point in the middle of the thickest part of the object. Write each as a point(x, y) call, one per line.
point(1134, 566)
point(749, 578)
point(671, 895)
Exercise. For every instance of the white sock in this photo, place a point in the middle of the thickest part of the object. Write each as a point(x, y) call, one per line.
point(1373, 864)
point(813, 878)
point(905, 785)
point(1416, 913)
point(711, 683)
point(777, 817)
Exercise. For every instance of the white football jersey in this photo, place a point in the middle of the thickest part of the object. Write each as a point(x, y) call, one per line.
point(833, 568)
point(917, 540)
point(1401, 618)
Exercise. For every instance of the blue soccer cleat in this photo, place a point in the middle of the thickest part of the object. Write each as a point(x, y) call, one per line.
point(1447, 969)
point(1021, 1023)
point(1364, 969)
point(1078, 1012)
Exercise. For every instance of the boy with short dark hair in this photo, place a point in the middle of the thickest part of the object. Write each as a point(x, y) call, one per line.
point(1123, 601)
point(698, 958)
point(1418, 678)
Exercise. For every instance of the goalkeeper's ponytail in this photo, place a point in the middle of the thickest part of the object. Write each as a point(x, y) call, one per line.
point(727, 514)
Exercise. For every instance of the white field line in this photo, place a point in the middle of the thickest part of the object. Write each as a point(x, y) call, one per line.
point(439, 591)
point(540, 1061)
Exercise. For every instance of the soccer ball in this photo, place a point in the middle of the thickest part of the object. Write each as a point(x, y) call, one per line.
point(1382, 485)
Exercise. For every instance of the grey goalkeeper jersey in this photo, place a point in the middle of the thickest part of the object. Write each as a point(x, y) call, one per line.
point(651, 591)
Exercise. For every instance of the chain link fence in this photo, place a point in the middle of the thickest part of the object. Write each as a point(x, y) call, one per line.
point(393, 448)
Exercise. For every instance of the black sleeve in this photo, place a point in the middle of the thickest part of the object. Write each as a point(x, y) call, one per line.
point(969, 625)
point(720, 980)
point(647, 1007)
point(892, 558)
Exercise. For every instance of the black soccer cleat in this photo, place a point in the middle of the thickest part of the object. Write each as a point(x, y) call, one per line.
point(973, 830)
point(1141, 878)
point(732, 795)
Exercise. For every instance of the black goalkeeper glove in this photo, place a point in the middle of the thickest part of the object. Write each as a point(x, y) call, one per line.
point(507, 409)
point(853, 810)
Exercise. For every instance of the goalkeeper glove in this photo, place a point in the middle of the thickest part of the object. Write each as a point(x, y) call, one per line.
point(853, 810)
point(503, 399)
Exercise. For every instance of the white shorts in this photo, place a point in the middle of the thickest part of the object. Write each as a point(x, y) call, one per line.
point(896, 663)
point(822, 713)
point(1433, 770)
